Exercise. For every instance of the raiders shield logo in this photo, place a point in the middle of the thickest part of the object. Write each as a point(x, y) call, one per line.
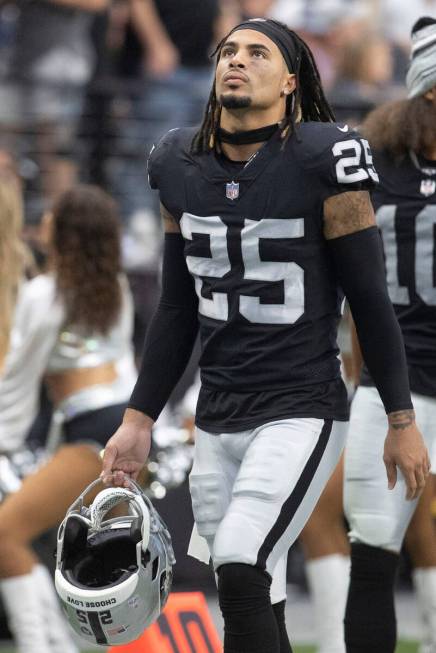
point(232, 190)
point(428, 187)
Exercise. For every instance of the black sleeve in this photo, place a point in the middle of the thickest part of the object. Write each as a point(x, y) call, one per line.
point(359, 263)
point(171, 335)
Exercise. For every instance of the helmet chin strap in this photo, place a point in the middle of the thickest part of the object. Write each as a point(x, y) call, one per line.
point(113, 496)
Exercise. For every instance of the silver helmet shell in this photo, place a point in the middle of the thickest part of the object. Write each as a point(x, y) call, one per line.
point(113, 576)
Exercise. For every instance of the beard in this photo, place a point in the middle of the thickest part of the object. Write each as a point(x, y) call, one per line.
point(235, 101)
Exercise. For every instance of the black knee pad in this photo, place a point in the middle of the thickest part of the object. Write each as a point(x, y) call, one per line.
point(249, 622)
point(373, 566)
point(279, 614)
point(370, 623)
point(243, 588)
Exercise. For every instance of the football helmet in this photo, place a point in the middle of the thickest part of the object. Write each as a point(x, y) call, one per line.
point(113, 574)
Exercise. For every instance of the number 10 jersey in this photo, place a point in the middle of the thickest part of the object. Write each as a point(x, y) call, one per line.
point(269, 302)
point(405, 204)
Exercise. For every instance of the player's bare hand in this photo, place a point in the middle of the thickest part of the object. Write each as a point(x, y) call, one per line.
point(405, 449)
point(127, 450)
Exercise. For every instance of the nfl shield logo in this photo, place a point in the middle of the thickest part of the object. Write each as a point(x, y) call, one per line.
point(232, 190)
point(428, 187)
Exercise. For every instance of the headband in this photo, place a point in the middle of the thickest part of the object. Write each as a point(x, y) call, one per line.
point(421, 76)
point(278, 35)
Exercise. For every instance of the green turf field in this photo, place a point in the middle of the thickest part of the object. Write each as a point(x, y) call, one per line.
point(403, 647)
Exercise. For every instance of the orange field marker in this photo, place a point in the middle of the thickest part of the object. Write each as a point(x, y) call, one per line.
point(185, 626)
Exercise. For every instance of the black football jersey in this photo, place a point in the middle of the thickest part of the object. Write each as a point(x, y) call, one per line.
point(405, 204)
point(269, 303)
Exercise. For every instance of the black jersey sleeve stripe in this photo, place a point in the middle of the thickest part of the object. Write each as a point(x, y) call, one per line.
point(296, 497)
point(94, 622)
point(171, 335)
point(360, 268)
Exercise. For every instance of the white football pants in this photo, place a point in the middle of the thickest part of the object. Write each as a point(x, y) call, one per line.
point(252, 492)
point(378, 516)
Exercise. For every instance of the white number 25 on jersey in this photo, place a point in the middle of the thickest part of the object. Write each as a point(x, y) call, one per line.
point(218, 265)
point(359, 172)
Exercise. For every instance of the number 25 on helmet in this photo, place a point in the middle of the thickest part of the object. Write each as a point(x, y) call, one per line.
point(113, 575)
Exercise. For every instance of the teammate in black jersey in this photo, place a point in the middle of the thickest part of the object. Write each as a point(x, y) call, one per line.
point(268, 223)
point(403, 136)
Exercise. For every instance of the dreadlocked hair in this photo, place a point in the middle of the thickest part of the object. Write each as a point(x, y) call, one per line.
point(307, 103)
point(400, 126)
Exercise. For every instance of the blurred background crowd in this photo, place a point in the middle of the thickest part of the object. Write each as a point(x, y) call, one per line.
point(87, 87)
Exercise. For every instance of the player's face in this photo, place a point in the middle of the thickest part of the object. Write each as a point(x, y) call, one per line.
point(251, 72)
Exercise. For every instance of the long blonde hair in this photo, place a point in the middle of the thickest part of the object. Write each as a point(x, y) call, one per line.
point(11, 255)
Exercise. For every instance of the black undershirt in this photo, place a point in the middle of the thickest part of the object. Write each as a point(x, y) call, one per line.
point(232, 167)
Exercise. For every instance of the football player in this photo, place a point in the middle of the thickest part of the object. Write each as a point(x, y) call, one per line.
point(268, 222)
point(403, 135)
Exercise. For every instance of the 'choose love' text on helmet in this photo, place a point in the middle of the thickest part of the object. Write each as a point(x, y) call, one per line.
point(113, 575)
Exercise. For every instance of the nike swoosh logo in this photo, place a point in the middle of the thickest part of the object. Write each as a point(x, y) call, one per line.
point(343, 129)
